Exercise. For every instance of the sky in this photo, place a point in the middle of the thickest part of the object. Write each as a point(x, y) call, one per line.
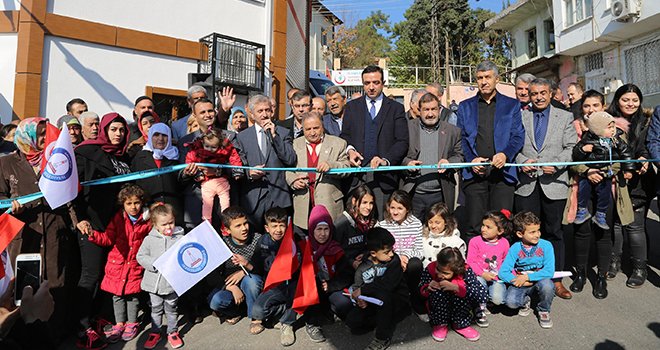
point(351, 11)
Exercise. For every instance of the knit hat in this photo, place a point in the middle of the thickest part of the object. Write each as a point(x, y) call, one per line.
point(598, 122)
point(68, 120)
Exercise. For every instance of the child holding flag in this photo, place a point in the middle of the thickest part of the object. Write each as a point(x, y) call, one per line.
point(162, 295)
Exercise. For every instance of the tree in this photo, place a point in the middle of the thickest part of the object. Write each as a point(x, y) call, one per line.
point(363, 44)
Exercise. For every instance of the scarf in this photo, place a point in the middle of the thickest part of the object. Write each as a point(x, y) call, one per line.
point(320, 214)
point(26, 140)
point(103, 140)
point(170, 152)
point(154, 117)
point(231, 117)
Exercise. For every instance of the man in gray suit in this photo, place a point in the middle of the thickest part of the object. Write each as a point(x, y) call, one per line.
point(431, 141)
point(549, 137)
point(264, 145)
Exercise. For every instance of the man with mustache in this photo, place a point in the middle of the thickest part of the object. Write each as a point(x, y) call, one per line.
point(335, 97)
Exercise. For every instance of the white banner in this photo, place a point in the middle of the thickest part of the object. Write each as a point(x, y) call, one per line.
point(193, 257)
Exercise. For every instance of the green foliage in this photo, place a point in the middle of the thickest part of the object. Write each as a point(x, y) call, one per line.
point(369, 40)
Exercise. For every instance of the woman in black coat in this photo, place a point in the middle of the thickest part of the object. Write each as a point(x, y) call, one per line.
point(159, 153)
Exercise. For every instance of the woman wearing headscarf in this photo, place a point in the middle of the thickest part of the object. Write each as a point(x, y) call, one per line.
point(96, 159)
point(46, 231)
point(143, 123)
point(159, 153)
point(237, 120)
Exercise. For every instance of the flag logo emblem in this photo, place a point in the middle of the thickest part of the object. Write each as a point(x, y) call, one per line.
point(59, 167)
point(192, 257)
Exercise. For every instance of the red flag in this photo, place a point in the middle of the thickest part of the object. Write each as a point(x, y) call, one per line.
point(285, 262)
point(9, 228)
point(306, 292)
point(52, 133)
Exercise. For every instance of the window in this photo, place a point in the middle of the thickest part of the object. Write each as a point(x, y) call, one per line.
point(549, 27)
point(577, 10)
point(638, 71)
point(593, 62)
point(531, 43)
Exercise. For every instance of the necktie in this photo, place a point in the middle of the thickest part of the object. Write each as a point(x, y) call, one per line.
point(264, 143)
point(313, 162)
point(372, 110)
point(539, 131)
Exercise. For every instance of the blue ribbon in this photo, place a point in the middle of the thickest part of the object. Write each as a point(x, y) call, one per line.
point(6, 203)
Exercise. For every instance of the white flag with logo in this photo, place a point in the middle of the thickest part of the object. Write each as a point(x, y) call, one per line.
point(59, 179)
point(193, 257)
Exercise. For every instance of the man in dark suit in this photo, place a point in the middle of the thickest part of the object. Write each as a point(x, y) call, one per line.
point(376, 130)
point(481, 118)
point(301, 102)
point(431, 141)
point(264, 145)
point(335, 97)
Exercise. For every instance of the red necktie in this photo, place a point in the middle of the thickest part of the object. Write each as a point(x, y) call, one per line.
point(312, 162)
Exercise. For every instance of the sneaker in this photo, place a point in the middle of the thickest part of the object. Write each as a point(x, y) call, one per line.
point(526, 309)
point(482, 319)
point(175, 340)
point(287, 335)
point(152, 340)
point(423, 317)
point(469, 333)
point(115, 333)
point(544, 319)
point(439, 333)
point(314, 333)
point(582, 216)
point(103, 327)
point(130, 331)
point(91, 340)
point(601, 220)
point(379, 344)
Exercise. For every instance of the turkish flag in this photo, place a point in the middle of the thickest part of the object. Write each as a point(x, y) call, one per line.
point(285, 263)
point(9, 228)
point(52, 133)
point(306, 292)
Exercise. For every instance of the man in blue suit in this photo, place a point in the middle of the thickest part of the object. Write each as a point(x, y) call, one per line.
point(492, 132)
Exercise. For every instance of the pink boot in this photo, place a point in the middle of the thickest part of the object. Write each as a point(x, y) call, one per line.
point(469, 333)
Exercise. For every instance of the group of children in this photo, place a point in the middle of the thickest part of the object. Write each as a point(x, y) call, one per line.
point(368, 273)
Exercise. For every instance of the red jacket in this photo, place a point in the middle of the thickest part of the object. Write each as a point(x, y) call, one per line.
point(226, 154)
point(123, 274)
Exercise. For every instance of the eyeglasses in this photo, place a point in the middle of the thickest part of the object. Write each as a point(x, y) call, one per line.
point(305, 105)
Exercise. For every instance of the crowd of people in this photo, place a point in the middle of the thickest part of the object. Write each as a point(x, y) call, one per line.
point(449, 244)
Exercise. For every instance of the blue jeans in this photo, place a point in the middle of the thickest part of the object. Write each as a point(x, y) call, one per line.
point(496, 290)
point(602, 189)
point(516, 297)
point(276, 302)
point(222, 301)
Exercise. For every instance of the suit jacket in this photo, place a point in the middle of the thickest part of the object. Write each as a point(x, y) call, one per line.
point(289, 125)
point(330, 125)
point(272, 189)
point(509, 132)
point(449, 147)
point(557, 146)
point(328, 187)
point(392, 141)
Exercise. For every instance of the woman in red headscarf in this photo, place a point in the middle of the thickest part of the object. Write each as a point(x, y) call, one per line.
point(143, 123)
point(96, 159)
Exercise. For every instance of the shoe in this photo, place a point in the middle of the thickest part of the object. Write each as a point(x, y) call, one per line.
point(130, 331)
point(174, 340)
point(152, 341)
point(469, 333)
point(600, 219)
point(639, 273)
point(439, 333)
point(600, 287)
point(582, 216)
point(287, 336)
point(234, 320)
point(379, 344)
point(103, 327)
point(423, 317)
point(580, 279)
point(91, 340)
point(115, 333)
point(615, 266)
point(314, 333)
point(561, 291)
point(482, 319)
point(526, 309)
point(544, 319)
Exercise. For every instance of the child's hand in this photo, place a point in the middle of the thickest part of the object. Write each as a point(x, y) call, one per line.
point(357, 262)
point(588, 148)
point(448, 286)
point(237, 293)
point(234, 278)
point(404, 262)
point(433, 286)
point(520, 280)
point(627, 175)
point(324, 284)
point(489, 276)
point(238, 259)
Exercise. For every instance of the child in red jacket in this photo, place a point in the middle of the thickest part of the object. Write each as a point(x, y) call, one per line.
point(214, 148)
point(123, 274)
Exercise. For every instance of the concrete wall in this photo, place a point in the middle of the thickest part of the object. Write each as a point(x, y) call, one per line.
point(8, 45)
point(519, 32)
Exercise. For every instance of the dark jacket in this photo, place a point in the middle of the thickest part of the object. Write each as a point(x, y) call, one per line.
point(352, 241)
point(642, 188)
point(46, 231)
point(98, 203)
point(375, 279)
point(164, 188)
point(620, 151)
